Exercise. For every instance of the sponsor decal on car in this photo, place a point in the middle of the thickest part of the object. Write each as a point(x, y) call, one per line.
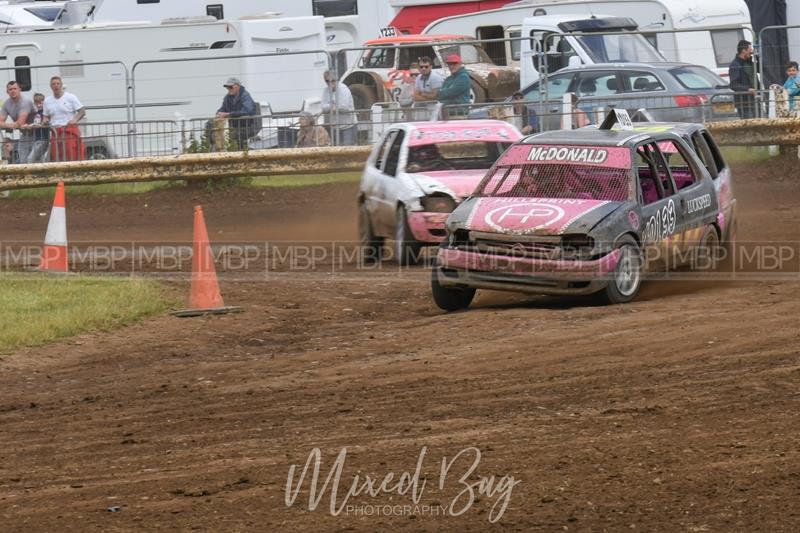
point(698, 204)
point(602, 156)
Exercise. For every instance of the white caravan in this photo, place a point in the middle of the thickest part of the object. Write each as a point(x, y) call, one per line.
point(708, 33)
point(188, 86)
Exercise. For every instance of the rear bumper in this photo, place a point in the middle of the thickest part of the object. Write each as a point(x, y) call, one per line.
point(479, 270)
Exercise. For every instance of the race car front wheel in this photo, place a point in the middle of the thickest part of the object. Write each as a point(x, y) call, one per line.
point(450, 298)
point(406, 248)
point(627, 276)
point(371, 245)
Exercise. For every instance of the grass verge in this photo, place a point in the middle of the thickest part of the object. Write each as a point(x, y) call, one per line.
point(37, 309)
point(745, 154)
point(300, 180)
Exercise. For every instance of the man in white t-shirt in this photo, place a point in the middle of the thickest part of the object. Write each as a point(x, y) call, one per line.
point(428, 82)
point(63, 111)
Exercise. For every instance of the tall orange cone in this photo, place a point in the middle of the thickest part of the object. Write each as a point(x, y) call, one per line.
point(54, 253)
point(204, 298)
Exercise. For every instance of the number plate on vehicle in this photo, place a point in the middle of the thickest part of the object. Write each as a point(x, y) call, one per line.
point(723, 108)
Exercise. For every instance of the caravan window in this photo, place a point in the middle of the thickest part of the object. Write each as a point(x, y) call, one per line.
point(216, 11)
point(724, 42)
point(23, 75)
point(48, 14)
point(497, 51)
point(148, 1)
point(335, 8)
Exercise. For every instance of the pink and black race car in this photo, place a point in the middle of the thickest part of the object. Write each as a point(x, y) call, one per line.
point(417, 173)
point(589, 211)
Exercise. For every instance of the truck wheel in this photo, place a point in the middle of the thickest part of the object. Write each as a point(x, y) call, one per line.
point(406, 248)
point(363, 96)
point(476, 93)
point(447, 298)
point(627, 277)
point(371, 245)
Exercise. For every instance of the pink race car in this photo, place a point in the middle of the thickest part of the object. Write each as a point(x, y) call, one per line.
point(417, 174)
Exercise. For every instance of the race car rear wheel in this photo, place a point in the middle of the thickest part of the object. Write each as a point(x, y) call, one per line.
point(371, 244)
point(709, 251)
point(406, 248)
point(627, 276)
point(450, 298)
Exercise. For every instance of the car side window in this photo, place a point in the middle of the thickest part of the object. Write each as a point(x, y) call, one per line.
point(683, 172)
point(556, 87)
point(597, 84)
point(378, 58)
point(407, 56)
point(715, 153)
point(387, 142)
point(393, 155)
point(642, 82)
point(704, 153)
point(652, 174)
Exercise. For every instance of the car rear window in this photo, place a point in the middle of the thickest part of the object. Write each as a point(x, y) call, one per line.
point(696, 77)
point(575, 172)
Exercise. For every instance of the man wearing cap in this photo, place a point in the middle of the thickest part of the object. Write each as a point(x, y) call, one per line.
point(240, 110)
point(455, 89)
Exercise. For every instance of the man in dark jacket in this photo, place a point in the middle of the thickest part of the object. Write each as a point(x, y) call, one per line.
point(741, 73)
point(455, 89)
point(240, 110)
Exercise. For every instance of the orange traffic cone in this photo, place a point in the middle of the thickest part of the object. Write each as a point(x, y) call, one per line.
point(205, 297)
point(54, 253)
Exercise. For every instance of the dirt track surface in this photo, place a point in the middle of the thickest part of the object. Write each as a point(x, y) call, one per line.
point(678, 412)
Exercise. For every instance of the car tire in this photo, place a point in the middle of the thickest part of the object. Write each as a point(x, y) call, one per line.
point(371, 244)
point(476, 93)
point(450, 298)
point(709, 251)
point(406, 247)
point(626, 279)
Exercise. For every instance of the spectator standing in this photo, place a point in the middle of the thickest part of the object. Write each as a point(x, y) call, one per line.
point(310, 134)
point(337, 104)
point(63, 111)
point(241, 111)
point(742, 76)
point(526, 120)
point(428, 83)
point(40, 130)
point(19, 107)
point(455, 89)
point(792, 83)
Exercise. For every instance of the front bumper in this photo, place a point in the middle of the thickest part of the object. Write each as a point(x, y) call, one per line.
point(427, 227)
point(540, 276)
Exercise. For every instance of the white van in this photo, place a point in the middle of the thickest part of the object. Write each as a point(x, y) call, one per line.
point(708, 30)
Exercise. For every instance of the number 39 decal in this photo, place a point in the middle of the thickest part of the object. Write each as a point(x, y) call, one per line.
point(661, 225)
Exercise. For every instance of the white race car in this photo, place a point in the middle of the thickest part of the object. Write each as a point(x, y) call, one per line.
point(416, 175)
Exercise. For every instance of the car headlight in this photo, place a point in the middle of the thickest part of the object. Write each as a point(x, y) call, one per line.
point(576, 246)
point(438, 204)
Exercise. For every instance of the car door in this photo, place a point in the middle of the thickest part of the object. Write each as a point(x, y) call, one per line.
point(389, 186)
point(546, 100)
point(698, 199)
point(659, 204)
point(372, 185)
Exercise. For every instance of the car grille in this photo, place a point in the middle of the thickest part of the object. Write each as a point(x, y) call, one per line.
point(515, 246)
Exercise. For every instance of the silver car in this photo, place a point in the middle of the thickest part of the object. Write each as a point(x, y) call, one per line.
point(670, 92)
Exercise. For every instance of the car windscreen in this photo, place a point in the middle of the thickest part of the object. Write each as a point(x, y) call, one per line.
point(620, 48)
point(461, 155)
point(469, 53)
point(696, 77)
point(574, 172)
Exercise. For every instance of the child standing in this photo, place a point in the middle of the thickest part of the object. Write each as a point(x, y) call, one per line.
point(41, 132)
